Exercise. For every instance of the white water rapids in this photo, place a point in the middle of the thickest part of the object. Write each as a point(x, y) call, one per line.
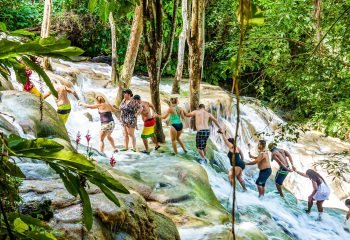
point(270, 217)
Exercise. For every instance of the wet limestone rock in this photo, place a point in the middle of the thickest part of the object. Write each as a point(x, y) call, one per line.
point(25, 108)
point(132, 220)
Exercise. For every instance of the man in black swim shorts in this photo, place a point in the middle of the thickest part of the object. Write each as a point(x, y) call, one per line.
point(264, 165)
point(202, 118)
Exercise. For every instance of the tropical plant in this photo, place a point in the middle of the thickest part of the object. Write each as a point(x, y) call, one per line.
point(12, 52)
point(72, 167)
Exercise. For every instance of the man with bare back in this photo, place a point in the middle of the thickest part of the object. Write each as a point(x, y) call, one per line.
point(264, 166)
point(149, 123)
point(202, 118)
point(62, 101)
point(283, 158)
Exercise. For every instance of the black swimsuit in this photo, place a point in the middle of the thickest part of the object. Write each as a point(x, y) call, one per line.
point(106, 117)
point(239, 162)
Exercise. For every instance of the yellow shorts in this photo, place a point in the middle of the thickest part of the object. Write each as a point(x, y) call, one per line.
point(64, 111)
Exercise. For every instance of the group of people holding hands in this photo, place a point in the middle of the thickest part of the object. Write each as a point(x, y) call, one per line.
point(321, 190)
point(132, 106)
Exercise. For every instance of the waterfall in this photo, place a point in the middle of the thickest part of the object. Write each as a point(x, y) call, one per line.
point(269, 217)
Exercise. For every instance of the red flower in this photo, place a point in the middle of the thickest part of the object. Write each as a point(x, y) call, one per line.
point(78, 138)
point(88, 137)
point(112, 161)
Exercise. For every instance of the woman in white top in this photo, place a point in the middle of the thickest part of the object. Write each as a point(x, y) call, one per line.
point(320, 191)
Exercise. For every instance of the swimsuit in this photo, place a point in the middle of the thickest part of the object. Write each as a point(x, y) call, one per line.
point(128, 118)
point(281, 175)
point(175, 120)
point(238, 161)
point(322, 192)
point(64, 111)
point(202, 138)
point(148, 128)
point(263, 176)
point(282, 172)
point(107, 122)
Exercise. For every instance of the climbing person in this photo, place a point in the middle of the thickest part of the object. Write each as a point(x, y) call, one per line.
point(347, 204)
point(283, 158)
point(130, 109)
point(62, 100)
point(149, 122)
point(175, 112)
point(202, 118)
point(320, 192)
point(264, 166)
point(239, 160)
point(107, 123)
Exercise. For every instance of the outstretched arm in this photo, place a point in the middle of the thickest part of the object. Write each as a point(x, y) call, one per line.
point(289, 157)
point(190, 114)
point(211, 117)
point(164, 116)
point(278, 157)
point(257, 160)
point(300, 173)
point(89, 105)
point(228, 144)
point(72, 92)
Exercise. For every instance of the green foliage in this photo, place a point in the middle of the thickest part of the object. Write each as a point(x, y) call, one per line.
point(72, 167)
point(12, 50)
point(280, 64)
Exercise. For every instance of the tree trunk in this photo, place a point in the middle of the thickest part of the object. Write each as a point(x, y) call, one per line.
point(45, 29)
point(195, 43)
point(153, 35)
point(181, 50)
point(131, 52)
point(172, 36)
point(114, 76)
point(317, 18)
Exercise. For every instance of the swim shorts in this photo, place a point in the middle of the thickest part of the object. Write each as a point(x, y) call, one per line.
point(263, 176)
point(148, 128)
point(281, 176)
point(64, 111)
point(108, 127)
point(202, 138)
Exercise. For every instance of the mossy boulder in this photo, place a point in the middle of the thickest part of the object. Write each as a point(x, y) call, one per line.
point(25, 109)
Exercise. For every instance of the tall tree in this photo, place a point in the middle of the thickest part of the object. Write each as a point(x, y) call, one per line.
point(131, 52)
point(196, 48)
point(115, 74)
point(181, 49)
point(172, 36)
point(317, 18)
point(153, 47)
point(106, 10)
point(45, 29)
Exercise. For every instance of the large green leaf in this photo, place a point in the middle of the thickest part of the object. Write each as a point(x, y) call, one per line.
point(32, 65)
point(69, 52)
point(108, 193)
point(42, 145)
point(87, 210)
point(71, 187)
point(13, 170)
point(53, 44)
point(102, 176)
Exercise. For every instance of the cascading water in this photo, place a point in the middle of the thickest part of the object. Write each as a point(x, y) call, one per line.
point(269, 217)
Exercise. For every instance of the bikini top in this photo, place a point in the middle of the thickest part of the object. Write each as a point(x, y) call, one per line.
point(175, 118)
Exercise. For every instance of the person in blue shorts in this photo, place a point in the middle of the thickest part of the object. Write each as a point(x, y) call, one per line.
point(263, 162)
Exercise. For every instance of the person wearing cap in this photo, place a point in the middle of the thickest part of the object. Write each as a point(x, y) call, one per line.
point(130, 109)
point(283, 158)
point(175, 113)
point(149, 122)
